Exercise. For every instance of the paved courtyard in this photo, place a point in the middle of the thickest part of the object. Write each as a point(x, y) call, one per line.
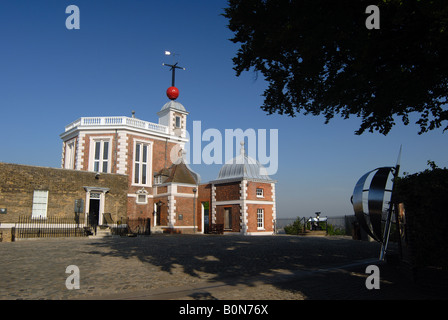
point(171, 267)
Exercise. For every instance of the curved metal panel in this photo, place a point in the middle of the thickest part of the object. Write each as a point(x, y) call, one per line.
point(376, 199)
point(370, 221)
point(357, 205)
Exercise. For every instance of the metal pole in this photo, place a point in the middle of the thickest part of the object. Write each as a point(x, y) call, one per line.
point(389, 212)
point(386, 234)
point(194, 210)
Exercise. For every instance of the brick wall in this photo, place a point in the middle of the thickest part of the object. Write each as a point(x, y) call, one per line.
point(204, 192)
point(140, 210)
point(135, 209)
point(228, 191)
point(184, 206)
point(64, 186)
point(158, 151)
point(185, 189)
point(252, 217)
point(252, 191)
point(112, 147)
point(162, 190)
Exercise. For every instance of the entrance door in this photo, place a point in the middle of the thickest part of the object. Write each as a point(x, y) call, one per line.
point(94, 212)
point(95, 204)
point(159, 213)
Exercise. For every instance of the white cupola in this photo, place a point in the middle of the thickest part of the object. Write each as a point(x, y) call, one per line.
point(174, 115)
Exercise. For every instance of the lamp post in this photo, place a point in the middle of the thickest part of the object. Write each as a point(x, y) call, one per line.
point(194, 209)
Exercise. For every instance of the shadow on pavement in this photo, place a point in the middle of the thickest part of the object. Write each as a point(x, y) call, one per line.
point(273, 260)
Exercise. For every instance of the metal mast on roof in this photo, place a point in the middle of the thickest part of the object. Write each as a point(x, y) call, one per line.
point(173, 67)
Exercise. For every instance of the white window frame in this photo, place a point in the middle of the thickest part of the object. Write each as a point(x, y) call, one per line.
point(141, 164)
point(141, 196)
point(40, 204)
point(69, 159)
point(259, 194)
point(158, 179)
point(101, 160)
point(144, 196)
point(260, 219)
point(176, 118)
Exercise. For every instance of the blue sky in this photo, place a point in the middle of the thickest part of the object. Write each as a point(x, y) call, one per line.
point(51, 76)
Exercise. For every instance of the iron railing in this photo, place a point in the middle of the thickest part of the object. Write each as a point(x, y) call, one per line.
point(29, 227)
point(132, 227)
point(51, 227)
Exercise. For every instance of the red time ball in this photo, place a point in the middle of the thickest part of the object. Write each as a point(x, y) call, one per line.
point(172, 93)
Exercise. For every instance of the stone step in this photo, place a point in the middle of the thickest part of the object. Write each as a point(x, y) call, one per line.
point(156, 229)
point(101, 233)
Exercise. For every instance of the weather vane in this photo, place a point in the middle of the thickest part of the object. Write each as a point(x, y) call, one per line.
point(173, 67)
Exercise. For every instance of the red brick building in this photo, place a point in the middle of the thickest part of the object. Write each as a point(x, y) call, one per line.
point(161, 186)
point(138, 149)
point(242, 198)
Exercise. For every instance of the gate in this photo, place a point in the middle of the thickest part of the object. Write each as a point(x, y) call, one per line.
point(133, 227)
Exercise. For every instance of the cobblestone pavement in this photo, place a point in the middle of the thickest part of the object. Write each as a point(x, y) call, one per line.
point(199, 267)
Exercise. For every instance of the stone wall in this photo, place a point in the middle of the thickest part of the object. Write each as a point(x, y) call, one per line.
point(18, 183)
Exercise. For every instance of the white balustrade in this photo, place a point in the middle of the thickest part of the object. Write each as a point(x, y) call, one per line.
point(116, 121)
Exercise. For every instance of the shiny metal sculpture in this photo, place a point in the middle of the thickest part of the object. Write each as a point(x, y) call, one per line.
point(370, 218)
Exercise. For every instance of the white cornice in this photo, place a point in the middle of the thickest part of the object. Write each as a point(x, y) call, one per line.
point(95, 130)
point(104, 124)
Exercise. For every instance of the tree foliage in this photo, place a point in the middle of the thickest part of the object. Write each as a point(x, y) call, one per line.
point(424, 195)
point(319, 58)
point(295, 228)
